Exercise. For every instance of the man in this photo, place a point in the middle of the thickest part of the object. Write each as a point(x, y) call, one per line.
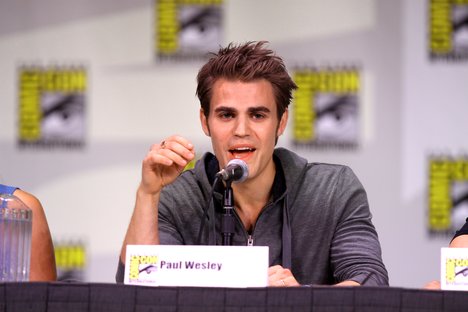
point(314, 217)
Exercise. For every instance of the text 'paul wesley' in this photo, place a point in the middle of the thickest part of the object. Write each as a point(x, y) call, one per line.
point(190, 265)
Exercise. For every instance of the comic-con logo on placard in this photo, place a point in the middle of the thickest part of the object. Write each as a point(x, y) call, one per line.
point(51, 108)
point(456, 271)
point(448, 194)
point(326, 107)
point(448, 29)
point(143, 268)
point(187, 29)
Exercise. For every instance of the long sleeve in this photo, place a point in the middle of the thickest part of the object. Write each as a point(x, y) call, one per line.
point(355, 250)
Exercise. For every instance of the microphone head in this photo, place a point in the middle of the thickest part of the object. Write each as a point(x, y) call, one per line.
point(238, 169)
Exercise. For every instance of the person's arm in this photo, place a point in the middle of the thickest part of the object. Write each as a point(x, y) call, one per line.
point(161, 166)
point(42, 249)
point(355, 252)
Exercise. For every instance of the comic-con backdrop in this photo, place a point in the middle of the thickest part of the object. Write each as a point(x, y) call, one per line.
point(88, 88)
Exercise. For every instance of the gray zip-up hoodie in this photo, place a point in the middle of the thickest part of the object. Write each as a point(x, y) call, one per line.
point(317, 222)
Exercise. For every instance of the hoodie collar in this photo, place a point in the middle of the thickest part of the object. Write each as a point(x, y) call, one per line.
point(210, 165)
point(290, 169)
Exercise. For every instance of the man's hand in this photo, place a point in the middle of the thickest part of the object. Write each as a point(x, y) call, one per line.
point(348, 283)
point(164, 162)
point(281, 277)
point(435, 285)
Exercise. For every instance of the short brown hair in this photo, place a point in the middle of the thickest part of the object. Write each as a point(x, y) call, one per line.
point(246, 62)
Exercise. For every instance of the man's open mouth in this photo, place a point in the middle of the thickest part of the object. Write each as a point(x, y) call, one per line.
point(239, 151)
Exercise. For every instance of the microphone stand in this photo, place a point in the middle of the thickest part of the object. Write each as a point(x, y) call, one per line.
point(227, 222)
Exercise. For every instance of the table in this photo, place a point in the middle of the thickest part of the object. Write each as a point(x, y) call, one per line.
point(117, 297)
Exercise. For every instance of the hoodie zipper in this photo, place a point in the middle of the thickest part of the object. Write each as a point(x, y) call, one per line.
point(250, 239)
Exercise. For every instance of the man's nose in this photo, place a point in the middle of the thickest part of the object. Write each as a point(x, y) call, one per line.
point(242, 126)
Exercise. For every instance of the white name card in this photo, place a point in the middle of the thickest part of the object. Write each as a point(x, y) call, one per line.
point(454, 269)
point(204, 266)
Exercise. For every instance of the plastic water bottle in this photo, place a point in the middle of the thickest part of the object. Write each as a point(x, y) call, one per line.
point(15, 239)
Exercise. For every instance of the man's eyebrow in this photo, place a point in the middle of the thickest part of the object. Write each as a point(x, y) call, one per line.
point(256, 109)
point(259, 109)
point(224, 109)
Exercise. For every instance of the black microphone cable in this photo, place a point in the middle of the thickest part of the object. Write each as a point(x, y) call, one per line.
point(205, 210)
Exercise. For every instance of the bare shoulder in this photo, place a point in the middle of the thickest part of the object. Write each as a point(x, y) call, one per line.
point(29, 199)
point(460, 241)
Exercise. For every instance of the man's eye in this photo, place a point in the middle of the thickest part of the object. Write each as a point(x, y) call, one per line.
point(226, 115)
point(258, 116)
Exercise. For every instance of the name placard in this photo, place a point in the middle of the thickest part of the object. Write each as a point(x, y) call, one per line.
point(204, 266)
point(454, 269)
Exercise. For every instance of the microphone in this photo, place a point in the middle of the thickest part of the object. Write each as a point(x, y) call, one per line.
point(236, 170)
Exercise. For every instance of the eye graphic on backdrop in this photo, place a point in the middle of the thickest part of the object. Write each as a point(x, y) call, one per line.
point(200, 28)
point(459, 203)
point(62, 116)
point(336, 118)
point(460, 28)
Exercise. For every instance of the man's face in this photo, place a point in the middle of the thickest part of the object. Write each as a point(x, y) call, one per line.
point(243, 124)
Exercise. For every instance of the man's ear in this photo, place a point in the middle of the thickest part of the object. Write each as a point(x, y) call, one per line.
point(283, 122)
point(204, 122)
